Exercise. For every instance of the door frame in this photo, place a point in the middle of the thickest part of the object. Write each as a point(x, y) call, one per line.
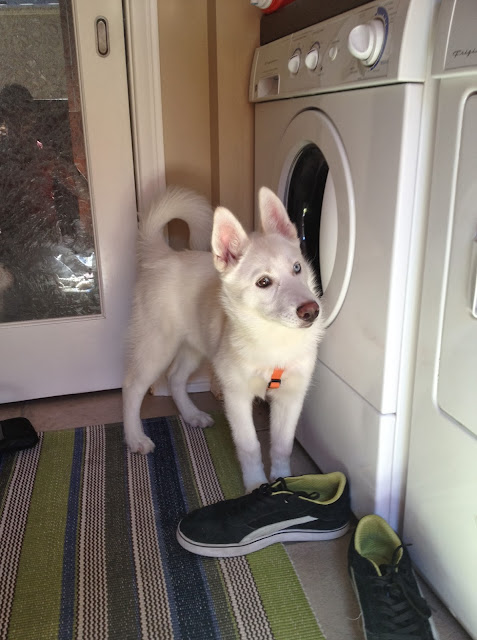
point(144, 71)
point(142, 42)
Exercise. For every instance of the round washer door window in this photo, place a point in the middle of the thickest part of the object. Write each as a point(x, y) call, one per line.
point(314, 182)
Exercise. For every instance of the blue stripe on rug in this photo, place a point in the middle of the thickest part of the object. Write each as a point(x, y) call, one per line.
point(67, 606)
point(174, 434)
point(192, 617)
point(158, 424)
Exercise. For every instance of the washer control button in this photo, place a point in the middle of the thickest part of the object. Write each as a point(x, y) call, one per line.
point(333, 52)
point(313, 57)
point(294, 62)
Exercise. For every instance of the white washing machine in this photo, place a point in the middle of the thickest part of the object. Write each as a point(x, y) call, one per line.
point(440, 518)
point(337, 129)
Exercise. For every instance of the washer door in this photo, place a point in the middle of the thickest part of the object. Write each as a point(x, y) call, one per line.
point(314, 183)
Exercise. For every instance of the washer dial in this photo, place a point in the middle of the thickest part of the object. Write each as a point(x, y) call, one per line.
point(366, 41)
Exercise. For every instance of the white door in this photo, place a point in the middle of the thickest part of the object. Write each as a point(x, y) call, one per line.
point(67, 201)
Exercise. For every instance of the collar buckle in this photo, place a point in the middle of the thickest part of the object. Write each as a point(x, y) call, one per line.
point(276, 379)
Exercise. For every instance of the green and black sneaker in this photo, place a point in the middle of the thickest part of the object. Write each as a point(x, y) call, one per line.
point(388, 594)
point(295, 509)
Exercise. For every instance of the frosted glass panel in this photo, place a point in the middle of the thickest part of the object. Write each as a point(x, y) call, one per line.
point(47, 250)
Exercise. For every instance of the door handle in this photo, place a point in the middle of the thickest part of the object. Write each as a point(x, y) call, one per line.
point(102, 37)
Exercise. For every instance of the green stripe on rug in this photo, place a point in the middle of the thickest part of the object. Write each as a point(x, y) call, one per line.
point(222, 451)
point(38, 584)
point(271, 561)
point(283, 612)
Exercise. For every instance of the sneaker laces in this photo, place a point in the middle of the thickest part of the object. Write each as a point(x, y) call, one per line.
point(261, 495)
point(402, 610)
point(282, 486)
point(257, 496)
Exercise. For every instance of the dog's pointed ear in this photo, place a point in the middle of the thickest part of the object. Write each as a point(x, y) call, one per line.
point(228, 239)
point(274, 216)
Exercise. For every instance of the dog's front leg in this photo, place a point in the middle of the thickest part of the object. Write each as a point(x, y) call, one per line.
point(238, 407)
point(285, 410)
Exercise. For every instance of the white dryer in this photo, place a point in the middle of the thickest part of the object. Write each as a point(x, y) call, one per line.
point(337, 129)
point(440, 518)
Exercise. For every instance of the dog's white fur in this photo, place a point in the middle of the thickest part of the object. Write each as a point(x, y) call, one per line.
point(193, 304)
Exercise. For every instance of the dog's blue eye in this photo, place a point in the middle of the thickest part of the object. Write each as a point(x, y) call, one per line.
point(297, 267)
point(264, 282)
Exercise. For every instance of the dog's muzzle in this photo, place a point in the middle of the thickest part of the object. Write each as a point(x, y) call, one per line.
point(308, 312)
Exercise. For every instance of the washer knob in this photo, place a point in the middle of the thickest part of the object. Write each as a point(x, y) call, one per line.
point(366, 41)
point(312, 57)
point(294, 62)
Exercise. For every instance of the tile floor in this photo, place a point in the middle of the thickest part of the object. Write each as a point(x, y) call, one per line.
point(321, 566)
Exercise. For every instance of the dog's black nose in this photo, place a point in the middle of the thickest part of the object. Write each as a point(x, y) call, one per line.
point(308, 311)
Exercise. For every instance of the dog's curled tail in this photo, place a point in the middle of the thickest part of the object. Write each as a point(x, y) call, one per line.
point(181, 203)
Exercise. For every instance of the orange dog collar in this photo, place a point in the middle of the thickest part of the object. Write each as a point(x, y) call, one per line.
point(276, 380)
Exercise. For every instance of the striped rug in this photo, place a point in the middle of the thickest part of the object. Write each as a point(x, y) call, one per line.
point(88, 548)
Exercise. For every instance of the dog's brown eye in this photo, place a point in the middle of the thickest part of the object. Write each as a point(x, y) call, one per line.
point(264, 282)
point(297, 267)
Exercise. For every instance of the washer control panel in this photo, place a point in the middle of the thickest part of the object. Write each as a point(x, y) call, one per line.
point(378, 43)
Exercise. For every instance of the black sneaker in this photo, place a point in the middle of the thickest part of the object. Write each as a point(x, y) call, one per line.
point(300, 508)
point(381, 571)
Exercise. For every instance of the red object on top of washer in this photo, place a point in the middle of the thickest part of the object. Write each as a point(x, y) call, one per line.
point(269, 6)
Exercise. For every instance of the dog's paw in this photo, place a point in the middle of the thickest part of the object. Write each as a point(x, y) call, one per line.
point(140, 444)
point(280, 470)
point(255, 485)
point(199, 419)
point(253, 481)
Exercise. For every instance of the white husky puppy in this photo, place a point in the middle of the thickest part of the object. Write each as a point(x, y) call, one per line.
point(250, 307)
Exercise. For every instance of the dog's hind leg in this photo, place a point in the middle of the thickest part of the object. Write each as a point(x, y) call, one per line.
point(146, 364)
point(185, 363)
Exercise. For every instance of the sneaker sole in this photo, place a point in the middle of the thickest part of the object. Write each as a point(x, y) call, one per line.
point(231, 550)
point(356, 593)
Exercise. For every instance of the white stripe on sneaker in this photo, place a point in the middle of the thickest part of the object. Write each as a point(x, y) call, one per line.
point(270, 529)
point(240, 549)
